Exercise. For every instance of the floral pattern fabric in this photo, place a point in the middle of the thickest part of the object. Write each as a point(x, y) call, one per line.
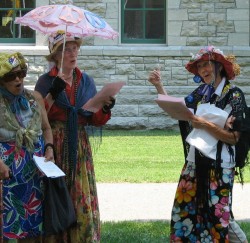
point(194, 223)
point(203, 201)
point(22, 194)
point(84, 191)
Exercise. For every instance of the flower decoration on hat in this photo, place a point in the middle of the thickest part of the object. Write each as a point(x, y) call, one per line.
point(210, 53)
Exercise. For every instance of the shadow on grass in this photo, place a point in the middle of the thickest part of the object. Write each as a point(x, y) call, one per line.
point(135, 232)
point(147, 133)
point(144, 231)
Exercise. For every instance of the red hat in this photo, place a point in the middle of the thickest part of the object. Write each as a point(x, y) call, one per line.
point(209, 53)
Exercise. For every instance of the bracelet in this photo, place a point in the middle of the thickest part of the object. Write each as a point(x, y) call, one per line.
point(48, 145)
point(105, 111)
point(49, 148)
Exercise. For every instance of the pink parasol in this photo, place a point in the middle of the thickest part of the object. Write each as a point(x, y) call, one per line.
point(68, 19)
point(77, 21)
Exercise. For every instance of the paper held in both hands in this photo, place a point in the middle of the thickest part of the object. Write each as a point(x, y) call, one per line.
point(108, 90)
point(49, 168)
point(174, 106)
point(201, 139)
point(198, 138)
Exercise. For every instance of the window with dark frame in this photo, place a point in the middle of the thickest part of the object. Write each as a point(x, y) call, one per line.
point(9, 31)
point(143, 21)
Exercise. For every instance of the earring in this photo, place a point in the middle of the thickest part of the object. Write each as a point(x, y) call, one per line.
point(197, 79)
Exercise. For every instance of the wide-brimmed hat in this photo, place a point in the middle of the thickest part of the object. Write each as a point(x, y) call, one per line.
point(8, 61)
point(210, 53)
point(57, 40)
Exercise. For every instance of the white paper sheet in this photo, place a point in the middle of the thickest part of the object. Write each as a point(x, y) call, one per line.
point(49, 168)
point(174, 106)
point(108, 90)
point(201, 139)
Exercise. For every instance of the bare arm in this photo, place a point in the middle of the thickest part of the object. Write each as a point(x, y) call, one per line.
point(47, 132)
point(223, 134)
point(50, 101)
point(155, 79)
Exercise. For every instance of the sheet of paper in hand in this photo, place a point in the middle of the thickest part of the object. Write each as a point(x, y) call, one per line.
point(108, 90)
point(49, 168)
point(201, 139)
point(174, 106)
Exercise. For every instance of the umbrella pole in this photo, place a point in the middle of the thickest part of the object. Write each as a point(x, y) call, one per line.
point(64, 42)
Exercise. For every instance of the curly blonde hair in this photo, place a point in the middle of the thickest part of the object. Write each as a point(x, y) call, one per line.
point(236, 67)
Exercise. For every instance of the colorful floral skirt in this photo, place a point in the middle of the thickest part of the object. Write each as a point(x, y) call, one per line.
point(83, 190)
point(22, 194)
point(195, 221)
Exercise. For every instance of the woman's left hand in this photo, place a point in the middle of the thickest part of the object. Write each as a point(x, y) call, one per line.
point(229, 122)
point(49, 154)
point(109, 103)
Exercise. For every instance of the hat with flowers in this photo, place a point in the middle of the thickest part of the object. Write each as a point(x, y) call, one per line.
point(9, 61)
point(210, 53)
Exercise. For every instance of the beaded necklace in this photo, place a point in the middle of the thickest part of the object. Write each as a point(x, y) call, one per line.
point(69, 164)
point(218, 98)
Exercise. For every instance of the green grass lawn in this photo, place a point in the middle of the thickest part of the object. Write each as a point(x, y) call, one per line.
point(141, 156)
point(135, 232)
point(143, 232)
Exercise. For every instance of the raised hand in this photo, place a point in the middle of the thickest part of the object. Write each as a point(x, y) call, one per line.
point(155, 77)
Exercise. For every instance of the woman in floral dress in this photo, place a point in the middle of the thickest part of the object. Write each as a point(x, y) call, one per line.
point(202, 209)
point(23, 126)
point(65, 97)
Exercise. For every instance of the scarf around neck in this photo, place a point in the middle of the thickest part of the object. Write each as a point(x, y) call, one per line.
point(31, 132)
point(17, 102)
point(85, 91)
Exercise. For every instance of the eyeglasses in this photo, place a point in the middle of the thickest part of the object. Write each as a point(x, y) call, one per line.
point(13, 75)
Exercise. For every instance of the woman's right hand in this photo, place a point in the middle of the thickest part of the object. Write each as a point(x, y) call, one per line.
point(155, 77)
point(58, 85)
point(4, 171)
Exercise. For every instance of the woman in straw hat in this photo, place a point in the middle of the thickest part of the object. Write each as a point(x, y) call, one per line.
point(23, 123)
point(65, 97)
point(202, 210)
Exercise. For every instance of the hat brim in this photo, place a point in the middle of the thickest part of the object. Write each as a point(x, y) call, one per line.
point(191, 66)
point(50, 57)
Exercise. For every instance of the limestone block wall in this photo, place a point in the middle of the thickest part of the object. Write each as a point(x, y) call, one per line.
point(135, 106)
point(190, 25)
point(203, 22)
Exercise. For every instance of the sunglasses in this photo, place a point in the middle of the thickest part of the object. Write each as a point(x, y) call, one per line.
point(13, 75)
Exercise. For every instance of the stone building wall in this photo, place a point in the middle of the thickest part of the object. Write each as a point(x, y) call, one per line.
point(202, 22)
point(190, 24)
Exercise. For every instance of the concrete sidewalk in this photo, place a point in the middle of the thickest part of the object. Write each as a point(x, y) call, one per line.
point(153, 201)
